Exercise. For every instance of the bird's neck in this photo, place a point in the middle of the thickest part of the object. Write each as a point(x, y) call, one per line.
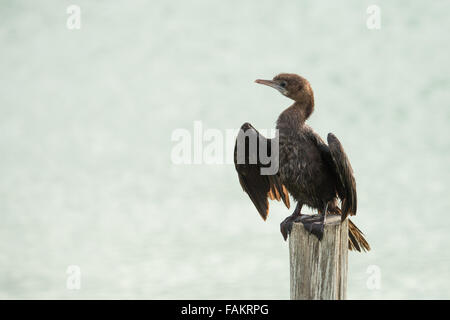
point(294, 117)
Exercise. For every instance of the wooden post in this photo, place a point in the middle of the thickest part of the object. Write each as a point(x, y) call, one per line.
point(319, 268)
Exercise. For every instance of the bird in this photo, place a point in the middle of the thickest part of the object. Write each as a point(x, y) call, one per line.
point(316, 174)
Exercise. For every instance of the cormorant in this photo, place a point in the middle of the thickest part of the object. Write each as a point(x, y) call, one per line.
point(314, 173)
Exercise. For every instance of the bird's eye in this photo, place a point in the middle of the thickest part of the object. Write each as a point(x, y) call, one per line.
point(283, 84)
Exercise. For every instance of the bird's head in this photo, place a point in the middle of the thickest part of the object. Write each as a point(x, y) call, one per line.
point(292, 86)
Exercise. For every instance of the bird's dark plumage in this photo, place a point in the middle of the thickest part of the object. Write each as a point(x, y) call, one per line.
point(258, 187)
point(342, 167)
point(316, 174)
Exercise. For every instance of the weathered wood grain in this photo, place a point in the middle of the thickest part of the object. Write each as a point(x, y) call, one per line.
point(318, 269)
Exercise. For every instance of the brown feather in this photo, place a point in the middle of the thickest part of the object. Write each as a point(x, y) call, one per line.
point(345, 173)
point(259, 187)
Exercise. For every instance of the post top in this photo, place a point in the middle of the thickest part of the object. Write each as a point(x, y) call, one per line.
point(332, 219)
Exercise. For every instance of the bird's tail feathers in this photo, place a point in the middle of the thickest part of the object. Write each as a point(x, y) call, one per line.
point(356, 239)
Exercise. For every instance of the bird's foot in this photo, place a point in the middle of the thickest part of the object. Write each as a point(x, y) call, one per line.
point(286, 225)
point(314, 224)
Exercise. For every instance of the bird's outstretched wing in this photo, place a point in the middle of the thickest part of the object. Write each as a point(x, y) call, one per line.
point(344, 171)
point(259, 187)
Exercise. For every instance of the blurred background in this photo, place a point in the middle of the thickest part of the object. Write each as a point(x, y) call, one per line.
point(85, 143)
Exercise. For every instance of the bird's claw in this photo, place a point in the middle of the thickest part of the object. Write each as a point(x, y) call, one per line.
point(286, 225)
point(314, 225)
point(315, 228)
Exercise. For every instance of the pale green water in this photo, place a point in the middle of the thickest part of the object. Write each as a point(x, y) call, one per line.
point(87, 116)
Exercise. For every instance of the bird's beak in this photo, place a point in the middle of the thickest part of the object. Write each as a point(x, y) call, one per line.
point(272, 84)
